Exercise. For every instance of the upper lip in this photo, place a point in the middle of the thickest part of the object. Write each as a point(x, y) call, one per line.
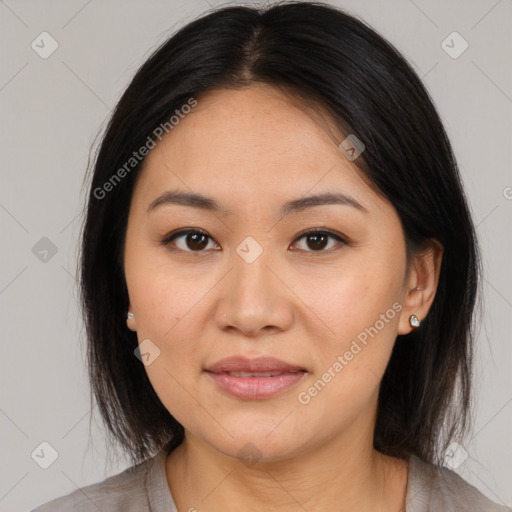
point(258, 364)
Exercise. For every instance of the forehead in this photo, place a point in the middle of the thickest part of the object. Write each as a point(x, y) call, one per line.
point(247, 144)
point(259, 123)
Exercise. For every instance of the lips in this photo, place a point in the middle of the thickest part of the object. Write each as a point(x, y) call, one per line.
point(253, 366)
point(254, 379)
point(254, 374)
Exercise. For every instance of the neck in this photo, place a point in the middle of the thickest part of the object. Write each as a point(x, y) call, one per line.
point(342, 475)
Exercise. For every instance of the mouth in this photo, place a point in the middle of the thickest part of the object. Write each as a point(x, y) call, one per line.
point(253, 374)
point(254, 379)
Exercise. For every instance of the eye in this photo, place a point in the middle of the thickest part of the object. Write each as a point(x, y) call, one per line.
point(194, 240)
point(318, 239)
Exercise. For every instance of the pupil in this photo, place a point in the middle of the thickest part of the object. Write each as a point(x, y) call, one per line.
point(194, 239)
point(316, 239)
point(200, 241)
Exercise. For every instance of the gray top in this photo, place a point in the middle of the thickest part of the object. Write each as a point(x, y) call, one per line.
point(143, 488)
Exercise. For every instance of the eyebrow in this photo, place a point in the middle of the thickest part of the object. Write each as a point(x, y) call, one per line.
point(196, 200)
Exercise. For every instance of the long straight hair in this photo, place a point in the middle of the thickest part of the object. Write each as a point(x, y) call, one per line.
point(328, 58)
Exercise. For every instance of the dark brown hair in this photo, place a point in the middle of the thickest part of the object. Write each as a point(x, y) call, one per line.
point(329, 57)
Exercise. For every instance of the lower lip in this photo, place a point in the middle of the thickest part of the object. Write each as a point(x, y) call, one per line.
point(256, 388)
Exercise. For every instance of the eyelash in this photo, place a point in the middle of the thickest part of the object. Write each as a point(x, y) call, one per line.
point(172, 236)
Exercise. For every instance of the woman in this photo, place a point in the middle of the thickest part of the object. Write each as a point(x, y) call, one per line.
point(278, 276)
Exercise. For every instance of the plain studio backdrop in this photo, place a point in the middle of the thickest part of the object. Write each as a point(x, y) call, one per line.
point(64, 65)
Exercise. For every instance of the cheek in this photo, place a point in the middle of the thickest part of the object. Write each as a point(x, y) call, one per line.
point(350, 363)
point(352, 298)
point(359, 307)
point(168, 308)
point(162, 295)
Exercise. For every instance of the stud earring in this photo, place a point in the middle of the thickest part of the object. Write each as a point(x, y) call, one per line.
point(129, 315)
point(414, 321)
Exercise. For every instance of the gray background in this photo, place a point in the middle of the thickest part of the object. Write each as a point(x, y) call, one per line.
point(51, 110)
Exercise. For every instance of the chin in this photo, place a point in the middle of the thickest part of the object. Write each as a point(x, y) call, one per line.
point(251, 444)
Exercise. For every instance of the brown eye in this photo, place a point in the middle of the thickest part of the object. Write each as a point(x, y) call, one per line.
point(191, 240)
point(317, 241)
point(196, 241)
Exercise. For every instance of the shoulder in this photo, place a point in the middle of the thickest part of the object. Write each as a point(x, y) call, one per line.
point(432, 487)
point(125, 492)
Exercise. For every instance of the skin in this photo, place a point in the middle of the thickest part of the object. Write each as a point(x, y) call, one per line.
point(252, 150)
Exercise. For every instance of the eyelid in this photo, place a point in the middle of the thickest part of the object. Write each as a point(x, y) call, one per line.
point(326, 231)
point(184, 231)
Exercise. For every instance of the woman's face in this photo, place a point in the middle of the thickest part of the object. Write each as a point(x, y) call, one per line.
point(256, 285)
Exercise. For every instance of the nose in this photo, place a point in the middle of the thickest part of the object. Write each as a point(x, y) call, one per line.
point(254, 298)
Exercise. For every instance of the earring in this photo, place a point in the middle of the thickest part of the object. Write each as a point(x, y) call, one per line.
point(129, 315)
point(414, 321)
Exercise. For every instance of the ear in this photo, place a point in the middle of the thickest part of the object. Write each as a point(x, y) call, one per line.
point(421, 284)
point(131, 322)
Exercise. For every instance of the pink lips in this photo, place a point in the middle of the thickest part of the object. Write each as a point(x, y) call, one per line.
point(277, 377)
